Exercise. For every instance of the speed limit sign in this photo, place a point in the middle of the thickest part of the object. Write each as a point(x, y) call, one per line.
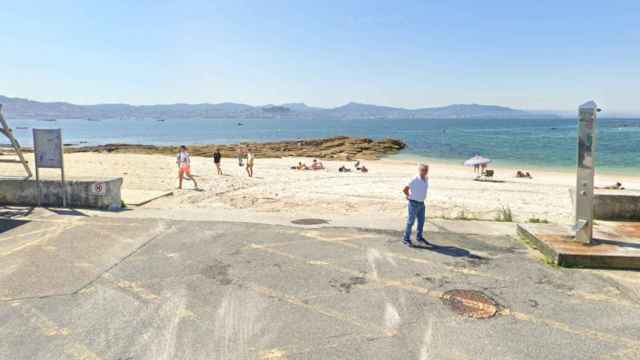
point(98, 188)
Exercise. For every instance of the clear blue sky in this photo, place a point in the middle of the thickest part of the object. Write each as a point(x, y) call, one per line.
point(527, 54)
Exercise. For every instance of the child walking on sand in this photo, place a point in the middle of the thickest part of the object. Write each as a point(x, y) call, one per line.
point(184, 166)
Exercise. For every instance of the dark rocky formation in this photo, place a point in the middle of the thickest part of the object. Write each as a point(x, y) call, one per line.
point(339, 148)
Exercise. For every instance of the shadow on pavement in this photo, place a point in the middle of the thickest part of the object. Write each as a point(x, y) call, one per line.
point(67, 212)
point(452, 251)
point(13, 212)
point(10, 224)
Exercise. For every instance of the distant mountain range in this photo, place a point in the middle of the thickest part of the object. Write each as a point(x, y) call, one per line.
point(24, 108)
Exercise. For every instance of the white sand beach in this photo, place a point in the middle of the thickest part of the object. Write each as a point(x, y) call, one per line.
point(278, 191)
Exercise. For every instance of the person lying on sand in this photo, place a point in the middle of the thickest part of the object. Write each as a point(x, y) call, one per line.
point(616, 186)
point(520, 174)
point(301, 166)
point(344, 169)
point(317, 165)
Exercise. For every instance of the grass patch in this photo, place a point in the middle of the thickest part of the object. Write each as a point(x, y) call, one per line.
point(538, 221)
point(541, 256)
point(462, 215)
point(504, 215)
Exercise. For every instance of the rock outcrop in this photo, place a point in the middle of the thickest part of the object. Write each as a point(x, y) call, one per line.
point(338, 148)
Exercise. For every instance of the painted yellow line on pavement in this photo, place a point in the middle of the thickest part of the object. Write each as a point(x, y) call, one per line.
point(51, 234)
point(318, 309)
point(436, 294)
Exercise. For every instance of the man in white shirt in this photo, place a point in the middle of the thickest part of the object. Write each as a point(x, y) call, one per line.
point(416, 193)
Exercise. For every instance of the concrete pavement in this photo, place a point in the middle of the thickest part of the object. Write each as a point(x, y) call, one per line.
point(78, 287)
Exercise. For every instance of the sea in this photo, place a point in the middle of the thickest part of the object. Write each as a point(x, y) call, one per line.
point(522, 143)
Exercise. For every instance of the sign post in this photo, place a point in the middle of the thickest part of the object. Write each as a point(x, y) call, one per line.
point(48, 151)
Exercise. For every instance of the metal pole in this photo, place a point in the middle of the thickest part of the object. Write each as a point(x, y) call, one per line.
point(35, 157)
point(64, 187)
point(586, 170)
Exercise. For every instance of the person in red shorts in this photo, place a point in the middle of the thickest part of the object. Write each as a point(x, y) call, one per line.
point(184, 166)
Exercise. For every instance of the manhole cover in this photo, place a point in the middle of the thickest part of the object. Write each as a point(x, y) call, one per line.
point(471, 303)
point(310, 221)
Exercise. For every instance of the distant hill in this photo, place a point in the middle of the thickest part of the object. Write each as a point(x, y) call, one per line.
point(24, 108)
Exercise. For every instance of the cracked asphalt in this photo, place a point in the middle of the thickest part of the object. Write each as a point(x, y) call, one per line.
point(74, 287)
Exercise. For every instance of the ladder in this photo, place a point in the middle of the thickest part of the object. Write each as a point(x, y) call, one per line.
point(6, 131)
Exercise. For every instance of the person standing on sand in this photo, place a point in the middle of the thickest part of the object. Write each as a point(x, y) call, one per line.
point(184, 166)
point(416, 194)
point(216, 160)
point(250, 158)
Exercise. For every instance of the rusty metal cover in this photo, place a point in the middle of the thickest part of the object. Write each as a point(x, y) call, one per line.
point(309, 221)
point(471, 303)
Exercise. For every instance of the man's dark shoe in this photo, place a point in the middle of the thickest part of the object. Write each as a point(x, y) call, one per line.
point(423, 242)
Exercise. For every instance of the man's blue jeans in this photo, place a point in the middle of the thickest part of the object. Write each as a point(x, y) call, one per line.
point(416, 210)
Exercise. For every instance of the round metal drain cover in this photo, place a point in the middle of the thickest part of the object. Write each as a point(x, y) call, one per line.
point(471, 303)
point(310, 221)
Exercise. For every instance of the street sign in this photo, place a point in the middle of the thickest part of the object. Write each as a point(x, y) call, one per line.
point(48, 148)
point(98, 189)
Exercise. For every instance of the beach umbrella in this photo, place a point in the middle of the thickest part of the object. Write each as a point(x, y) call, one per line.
point(477, 160)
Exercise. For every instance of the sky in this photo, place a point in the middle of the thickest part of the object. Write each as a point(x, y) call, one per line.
point(538, 55)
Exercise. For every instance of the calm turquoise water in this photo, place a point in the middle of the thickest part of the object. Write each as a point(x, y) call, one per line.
point(542, 142)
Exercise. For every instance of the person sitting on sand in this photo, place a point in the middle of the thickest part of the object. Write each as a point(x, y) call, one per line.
point(364, 169)
point(317, 165)
point(184, 166)
point(302, 166)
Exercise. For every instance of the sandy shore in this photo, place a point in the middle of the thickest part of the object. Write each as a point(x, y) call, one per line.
point(276, 189)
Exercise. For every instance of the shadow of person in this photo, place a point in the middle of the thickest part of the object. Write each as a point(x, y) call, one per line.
point(452, 251)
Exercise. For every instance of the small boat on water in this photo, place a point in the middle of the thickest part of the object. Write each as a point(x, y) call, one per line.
point(240, 124)
point(50, 120)
point(22, 128)
point(90, 119)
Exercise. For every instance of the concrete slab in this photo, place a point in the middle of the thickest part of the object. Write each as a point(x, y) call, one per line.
point(616, 245)
point(142, 197)
point(99, 193)
point(160, 289)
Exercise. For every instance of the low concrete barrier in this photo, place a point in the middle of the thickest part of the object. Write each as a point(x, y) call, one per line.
point(101, 194)
point(613, 204)
point(616, 205)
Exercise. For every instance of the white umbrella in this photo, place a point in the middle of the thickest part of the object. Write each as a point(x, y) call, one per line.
point(477, 160)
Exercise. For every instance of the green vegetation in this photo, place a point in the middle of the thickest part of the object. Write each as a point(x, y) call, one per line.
point(504, 215)
point(538, 221)
point(462, 215)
